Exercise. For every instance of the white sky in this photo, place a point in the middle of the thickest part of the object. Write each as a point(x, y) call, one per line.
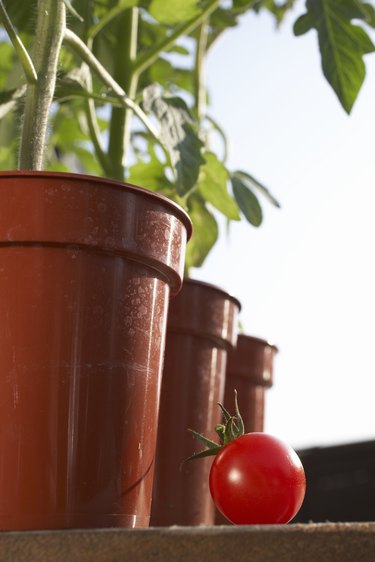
point(306, 278)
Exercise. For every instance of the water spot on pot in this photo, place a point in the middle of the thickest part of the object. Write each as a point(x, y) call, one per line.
point(102, 207)
point(109, 241)
point(72, 252)
point(89, 239)
point(142, 311)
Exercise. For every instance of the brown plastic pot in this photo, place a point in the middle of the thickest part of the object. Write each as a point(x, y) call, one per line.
point(249, 371)
point(201, 329)
point(86, 270)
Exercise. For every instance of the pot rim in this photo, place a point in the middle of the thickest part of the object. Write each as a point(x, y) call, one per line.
point(205, 284)
point(116, 184)
point(259, 340)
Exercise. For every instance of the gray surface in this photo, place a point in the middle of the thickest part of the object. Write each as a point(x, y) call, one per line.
point(341, 542)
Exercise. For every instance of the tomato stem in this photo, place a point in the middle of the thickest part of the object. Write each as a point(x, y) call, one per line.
point(232, 428)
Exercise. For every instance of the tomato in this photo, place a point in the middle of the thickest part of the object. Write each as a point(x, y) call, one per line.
point(257, 479)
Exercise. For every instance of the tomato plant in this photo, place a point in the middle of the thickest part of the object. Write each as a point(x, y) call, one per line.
point(255, 478)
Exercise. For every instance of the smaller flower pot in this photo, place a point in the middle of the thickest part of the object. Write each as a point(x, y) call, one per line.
point(201, 329)
point(249, 371)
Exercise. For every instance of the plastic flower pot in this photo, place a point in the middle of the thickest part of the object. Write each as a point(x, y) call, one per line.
point(201, 328)
point(249, 371)
point(87, 266)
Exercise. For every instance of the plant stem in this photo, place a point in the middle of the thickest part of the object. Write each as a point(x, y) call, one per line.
point(49, 33)
point(119, 136)
point(145, 61)
point(200, 55)
point(86, 55)
point(94, 129)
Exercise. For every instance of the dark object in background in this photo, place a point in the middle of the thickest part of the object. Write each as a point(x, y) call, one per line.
point(340, 483)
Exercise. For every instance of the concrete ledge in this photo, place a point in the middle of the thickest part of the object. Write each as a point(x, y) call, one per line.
point(331, 542)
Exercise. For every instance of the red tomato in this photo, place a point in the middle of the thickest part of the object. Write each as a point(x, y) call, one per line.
point(257, 479)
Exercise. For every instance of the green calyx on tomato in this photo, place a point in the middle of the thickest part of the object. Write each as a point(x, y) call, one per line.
point(232, 428)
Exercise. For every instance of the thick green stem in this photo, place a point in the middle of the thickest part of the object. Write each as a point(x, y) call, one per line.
point(49, 34)
point(119, 137)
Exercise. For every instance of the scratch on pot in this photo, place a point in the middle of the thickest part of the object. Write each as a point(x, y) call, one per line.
point(14, 380)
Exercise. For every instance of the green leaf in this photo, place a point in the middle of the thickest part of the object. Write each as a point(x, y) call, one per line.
point(8, 159)
point(216, 127)
point(6, 62)
point(87, 159)
point(9, 99)
point(205, 232)
point(151, 175)
point(254, 183)
point(212, 185)
point(178, 136)
point(368, 12)
point(163, 72)
point(72, 85)
point(203, 454)
point(224, 411)
point(22, 14)
point(342, 44)
point(247, 201)
point(170, 12)
point(241, 428)
point(278, 9)
point(204, 440)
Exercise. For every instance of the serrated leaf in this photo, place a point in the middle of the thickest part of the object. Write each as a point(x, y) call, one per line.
point(368, 12)
point(342, 44)
point(170, 12)
point(302, 25)
point(172, 78)
point(178, 136)
point(205, 232)
point(278, 9)
point(212, 185)
point(247, 201)
point(254, 183)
